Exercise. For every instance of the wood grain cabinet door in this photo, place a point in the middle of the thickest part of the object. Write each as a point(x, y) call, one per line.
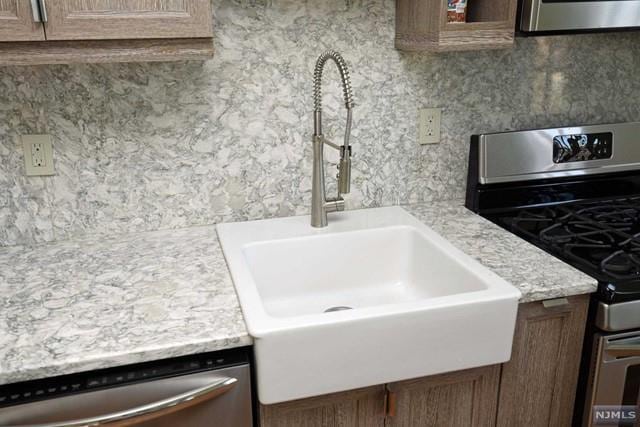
point(127, 19)
point(458, 399)
point(538, 384)
point(356, 408)
point(17, 22)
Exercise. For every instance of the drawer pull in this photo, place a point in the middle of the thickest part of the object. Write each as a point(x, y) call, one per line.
point(550, 303)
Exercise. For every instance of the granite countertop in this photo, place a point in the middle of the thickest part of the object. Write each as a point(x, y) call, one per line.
point(95, 303)
point(537, 274)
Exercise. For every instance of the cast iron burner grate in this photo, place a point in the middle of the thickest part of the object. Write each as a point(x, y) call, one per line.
point(600, 238)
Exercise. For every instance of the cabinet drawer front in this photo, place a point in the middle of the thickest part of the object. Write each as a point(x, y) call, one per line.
point(17, 22)
point(127, 19)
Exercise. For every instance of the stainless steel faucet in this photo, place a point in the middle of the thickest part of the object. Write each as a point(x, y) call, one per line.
point(320, 204)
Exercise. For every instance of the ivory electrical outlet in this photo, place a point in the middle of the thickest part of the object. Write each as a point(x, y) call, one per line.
point(429, 126)
point(38, 155)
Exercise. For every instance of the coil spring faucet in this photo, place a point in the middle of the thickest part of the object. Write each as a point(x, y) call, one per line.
point(320, 205)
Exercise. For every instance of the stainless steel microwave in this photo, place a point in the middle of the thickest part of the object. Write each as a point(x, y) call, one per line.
point(570, 15)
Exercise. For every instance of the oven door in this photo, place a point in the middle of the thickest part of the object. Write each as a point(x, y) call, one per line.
point(572, 15)
point(615, 374)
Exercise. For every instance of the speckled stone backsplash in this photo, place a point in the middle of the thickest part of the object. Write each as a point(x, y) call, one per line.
point(156, 146)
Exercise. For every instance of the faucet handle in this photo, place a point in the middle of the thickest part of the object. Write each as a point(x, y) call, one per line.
point(344, 170)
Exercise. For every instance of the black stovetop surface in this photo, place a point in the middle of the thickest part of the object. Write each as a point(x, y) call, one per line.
point(600, 238)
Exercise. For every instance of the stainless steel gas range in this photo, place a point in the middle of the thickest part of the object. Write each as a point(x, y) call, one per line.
point(575, 193)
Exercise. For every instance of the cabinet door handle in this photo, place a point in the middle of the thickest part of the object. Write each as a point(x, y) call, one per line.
point(43, 11)
point(35, 10)
point(390, 404)
point(558, 302)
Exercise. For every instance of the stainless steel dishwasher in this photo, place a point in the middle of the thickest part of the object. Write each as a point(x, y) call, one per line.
point(212, 389)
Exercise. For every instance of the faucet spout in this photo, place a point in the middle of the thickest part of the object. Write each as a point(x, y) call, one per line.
point(317, 89)
point(320, 205)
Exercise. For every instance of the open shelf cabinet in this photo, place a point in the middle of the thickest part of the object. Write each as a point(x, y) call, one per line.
point(421, 25)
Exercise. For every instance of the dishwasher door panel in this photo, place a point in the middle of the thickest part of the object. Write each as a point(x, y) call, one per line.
point(224, 401)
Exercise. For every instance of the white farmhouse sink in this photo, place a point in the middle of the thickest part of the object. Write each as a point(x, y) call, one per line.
point(417, 306)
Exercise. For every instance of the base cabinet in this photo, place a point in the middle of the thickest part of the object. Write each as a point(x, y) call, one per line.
point(358, 408)
point(538, 384)
point(458, 399)
point(535, 388)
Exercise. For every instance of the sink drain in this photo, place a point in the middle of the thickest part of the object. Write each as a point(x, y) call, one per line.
point(337, 308)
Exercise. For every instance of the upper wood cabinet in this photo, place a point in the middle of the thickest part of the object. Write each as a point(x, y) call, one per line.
point(421, 25)
point(67, 31)
point(18, 22)
point(132, 19)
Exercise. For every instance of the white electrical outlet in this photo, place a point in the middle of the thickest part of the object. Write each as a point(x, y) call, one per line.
point(38, 155)
point(429, 126)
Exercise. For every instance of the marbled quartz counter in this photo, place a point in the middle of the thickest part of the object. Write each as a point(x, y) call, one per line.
point(90, 304)
point(95, 303)
point(537, 274)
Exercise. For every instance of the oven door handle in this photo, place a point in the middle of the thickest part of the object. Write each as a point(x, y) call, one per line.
point(624, 347)
point(139, 414)
point(623, 350)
